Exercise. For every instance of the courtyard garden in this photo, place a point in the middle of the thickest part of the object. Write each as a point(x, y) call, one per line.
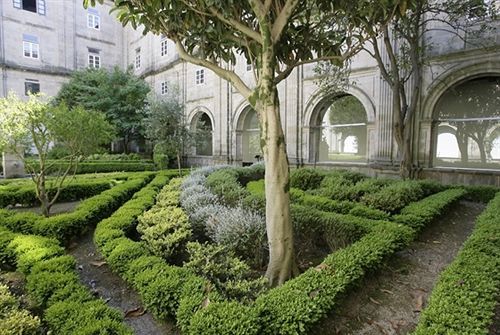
point(159, 253)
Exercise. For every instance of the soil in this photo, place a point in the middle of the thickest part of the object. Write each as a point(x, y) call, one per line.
point(57, 208)
point(98, 277)
point(389, 301)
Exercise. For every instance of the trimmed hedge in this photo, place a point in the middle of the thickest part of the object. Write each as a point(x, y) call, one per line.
point(90, 211)
point(163, 288)
point(102, 166)
point(395, 196)
point(420, 213)
point(464, 299)
point(75, 190)
point(15, 320)
point(53, 284)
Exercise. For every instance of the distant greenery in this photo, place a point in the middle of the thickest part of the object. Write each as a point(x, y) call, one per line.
point(119, 94)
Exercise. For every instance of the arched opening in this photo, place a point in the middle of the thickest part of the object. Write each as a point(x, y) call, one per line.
point(202, 125)
point(472, 110)
point(251, 150)
point(339, 130)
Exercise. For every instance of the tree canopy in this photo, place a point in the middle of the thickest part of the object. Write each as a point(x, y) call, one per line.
point(120, 95)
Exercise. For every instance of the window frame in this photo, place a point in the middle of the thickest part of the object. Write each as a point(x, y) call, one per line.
point(137, 59)
point(164, 88)
point(200, 77)
point(32, 45)
point(95, 57)
point(28, 82)
point(93, 19)
point(164, 47)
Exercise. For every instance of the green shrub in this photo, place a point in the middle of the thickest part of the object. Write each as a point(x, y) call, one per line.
point(89, 318)
point(72, 190)
point(225, 318)
point(7, 257)
point(229, 275)
point(420, 213)
point(100, 166)
point(369, 213)
point(224, 183)
point(124, 253)
point(13, 319)
point(165, 230)
point(464, 298)
point(52, 283)
point(395, 196)
point(482, 193)
point(306, 179)
point(161, 291)
point(320, 202)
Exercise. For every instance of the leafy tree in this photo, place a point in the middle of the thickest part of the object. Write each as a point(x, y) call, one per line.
point(406, 46)
point(40, 125)
point(165, 126)
point(275, 36)
point(119, 94)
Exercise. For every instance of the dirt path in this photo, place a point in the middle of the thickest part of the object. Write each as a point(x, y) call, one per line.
point(113, 289)
point(389, 301)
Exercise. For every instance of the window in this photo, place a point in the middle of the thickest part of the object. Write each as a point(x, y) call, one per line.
point(30, 46)
point(249, 66)
point(93, 19)
point(94, 61)
point(467, 125)
point(31, 5)
point(31, 86)
point(200, 76)
point(163, 46)
point(164, 88)
point(339, 130)
point(137, 58)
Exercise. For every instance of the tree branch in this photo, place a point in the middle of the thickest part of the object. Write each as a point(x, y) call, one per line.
point(282, 19)
point(237, 25)
point(230, 76)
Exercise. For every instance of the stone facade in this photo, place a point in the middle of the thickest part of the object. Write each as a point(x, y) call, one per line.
point(65, 39)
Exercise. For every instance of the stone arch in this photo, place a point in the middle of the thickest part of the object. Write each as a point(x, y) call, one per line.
point(247, 130)
point(465, 100)
point(201, 120)
point(452, 77)
point(315, 110)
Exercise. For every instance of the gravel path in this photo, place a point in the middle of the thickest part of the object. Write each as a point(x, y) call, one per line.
point(389, 300)
point(96, 275)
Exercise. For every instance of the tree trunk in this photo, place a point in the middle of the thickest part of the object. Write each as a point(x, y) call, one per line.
point(463, 143)
point(403, 139)
point(125, 144)
point(482, 151)
point(282, 264)
point(179, 163)
point(43, 196)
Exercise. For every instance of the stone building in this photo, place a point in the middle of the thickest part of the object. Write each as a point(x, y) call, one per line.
point(456, 132)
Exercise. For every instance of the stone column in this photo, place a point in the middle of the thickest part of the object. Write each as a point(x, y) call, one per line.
point(13, 166)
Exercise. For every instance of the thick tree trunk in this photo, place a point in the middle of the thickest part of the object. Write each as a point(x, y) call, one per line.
point(403, 139)
point(282, 264)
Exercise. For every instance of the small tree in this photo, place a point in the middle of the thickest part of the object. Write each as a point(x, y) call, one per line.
point(120, 95)
point(165, 126)
point(40, 125)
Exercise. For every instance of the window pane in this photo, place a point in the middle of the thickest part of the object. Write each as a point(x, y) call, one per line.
point(29, 5)
point(468, 125)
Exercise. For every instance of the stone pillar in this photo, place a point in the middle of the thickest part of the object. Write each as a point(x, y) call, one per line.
point(13, 166)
